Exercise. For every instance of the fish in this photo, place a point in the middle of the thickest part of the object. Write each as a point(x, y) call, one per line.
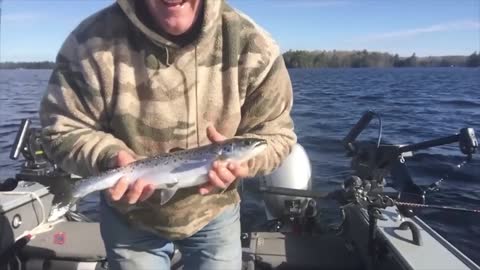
point(167, 172)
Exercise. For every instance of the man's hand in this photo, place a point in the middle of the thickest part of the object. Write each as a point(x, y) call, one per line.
point(140, 190)
point(222, 173)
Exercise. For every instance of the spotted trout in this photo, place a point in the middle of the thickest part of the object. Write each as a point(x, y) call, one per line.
point(167, 172)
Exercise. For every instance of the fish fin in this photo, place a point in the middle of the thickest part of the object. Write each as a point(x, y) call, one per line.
point(167, 194)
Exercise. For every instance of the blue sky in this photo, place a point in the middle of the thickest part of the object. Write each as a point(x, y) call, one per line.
point(33, 30)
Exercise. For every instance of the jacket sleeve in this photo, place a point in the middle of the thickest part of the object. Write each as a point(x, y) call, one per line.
point(73, 114)
point(266, 112)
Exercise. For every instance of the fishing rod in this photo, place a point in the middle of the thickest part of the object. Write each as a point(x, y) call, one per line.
point(440, 207)
point(344, 196)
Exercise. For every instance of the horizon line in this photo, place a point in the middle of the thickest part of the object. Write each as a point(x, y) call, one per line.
point(377, 51)
point(290, 50)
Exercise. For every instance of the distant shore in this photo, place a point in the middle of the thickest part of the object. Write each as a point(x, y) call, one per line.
point(365, 59)
point(27, 65)
point(330, 59)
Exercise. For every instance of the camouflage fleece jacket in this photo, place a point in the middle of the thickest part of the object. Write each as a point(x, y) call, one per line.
point(118, 84)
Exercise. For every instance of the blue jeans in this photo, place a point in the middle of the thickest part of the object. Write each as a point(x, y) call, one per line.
point(216, 246)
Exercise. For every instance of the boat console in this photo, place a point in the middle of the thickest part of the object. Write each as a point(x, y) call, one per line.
point(25, 203)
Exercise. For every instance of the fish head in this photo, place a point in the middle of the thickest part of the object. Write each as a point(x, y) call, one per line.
point(241, 149)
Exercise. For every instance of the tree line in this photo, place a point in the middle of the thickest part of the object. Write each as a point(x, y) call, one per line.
point(359, 59)
point(331, 59)
point(27, 65)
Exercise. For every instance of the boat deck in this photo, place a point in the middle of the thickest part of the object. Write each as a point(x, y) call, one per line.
point(269, 250)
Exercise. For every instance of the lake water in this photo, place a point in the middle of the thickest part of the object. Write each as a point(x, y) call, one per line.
point(415, 104)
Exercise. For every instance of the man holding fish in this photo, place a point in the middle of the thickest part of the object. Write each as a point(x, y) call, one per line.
point(146, 77)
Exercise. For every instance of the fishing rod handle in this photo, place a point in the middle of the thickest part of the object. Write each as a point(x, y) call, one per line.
point(357, 129)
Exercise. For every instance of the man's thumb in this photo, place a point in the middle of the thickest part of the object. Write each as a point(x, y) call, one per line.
point(213, 135)
point(124, 158)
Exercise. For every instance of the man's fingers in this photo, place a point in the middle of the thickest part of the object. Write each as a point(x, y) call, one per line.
point(239, 170)
point(147, 192)
point(213, 183)
point(219, 177)
point(140, 190)
point(207, 188)
point(118, 190)
point(136, 191)
point(225, 175)
point(215, 180)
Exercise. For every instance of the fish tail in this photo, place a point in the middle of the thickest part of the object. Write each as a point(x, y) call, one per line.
point(58, 210)
point(64, 197)
point(70, 192)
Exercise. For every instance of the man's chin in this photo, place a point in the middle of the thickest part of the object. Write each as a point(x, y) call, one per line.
point(175, 28)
